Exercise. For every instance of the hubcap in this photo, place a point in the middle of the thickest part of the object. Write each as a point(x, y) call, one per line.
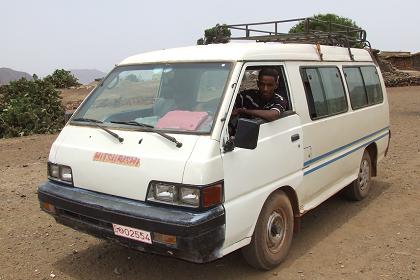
point(364, 175)
point(275, 231)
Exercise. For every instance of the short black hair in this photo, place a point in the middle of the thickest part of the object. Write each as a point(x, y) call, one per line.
point(269, 72)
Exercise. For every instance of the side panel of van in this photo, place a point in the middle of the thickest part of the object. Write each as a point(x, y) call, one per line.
point(334, 145)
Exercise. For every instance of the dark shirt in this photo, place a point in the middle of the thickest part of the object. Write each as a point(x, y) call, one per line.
point(251, 99)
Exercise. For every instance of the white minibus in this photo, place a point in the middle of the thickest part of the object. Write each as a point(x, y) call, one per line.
point(153, 160)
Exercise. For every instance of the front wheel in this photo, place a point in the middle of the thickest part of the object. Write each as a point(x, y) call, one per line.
point(359, 188)
point(273, 233)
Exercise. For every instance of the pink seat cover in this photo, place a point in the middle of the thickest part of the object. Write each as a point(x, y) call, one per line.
point(184, 120)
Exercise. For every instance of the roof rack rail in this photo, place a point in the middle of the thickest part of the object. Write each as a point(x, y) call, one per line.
point(337, 34)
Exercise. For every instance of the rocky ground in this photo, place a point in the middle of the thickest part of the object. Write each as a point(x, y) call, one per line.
point(377, 238)
point(398, 78)
point(401, 78)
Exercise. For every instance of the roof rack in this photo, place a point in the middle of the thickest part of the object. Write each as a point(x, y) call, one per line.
point(337, 34)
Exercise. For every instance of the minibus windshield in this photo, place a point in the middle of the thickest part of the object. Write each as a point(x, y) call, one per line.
point(174, 97)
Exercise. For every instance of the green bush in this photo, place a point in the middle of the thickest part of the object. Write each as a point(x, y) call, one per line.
point(28, 107)
point(215, 35)
point(324, 26)
point(314, 25)
point(62, 79)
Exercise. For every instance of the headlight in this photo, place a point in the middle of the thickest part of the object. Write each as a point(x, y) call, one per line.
point(186, 195)
point(165, 192)
point(54, 170)
point(60, 173)
point(65, 174)
point(190, 196)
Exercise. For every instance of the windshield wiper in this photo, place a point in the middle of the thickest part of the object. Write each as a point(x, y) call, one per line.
point(134, 123)
point(87, 120)
point(152, 129)
point(96, 123)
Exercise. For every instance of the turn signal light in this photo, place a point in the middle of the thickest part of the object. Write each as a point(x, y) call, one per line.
point(212, 195)
point(48, 207)
point(164, 238)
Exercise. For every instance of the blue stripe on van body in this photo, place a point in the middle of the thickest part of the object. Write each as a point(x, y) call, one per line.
point(346, 154)
point(306, 163)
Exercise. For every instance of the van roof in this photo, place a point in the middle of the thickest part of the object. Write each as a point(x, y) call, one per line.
point(249, 52)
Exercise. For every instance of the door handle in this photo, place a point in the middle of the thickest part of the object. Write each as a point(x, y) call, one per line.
point(295, 137)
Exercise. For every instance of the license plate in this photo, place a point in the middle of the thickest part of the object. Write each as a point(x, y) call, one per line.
point(132, 233)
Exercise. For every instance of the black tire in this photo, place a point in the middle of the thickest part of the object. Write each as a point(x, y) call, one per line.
point(268, 248)
point(359, 188)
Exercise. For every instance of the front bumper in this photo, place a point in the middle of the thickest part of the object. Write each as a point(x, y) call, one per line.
point(199, 235)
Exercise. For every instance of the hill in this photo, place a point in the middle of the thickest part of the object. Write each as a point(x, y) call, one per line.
point(86, 76)
point(7, 75)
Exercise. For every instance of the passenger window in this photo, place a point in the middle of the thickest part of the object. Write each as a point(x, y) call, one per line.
point(317, 94)
point(364, 86)
point(324, 91)
point(357, 91)
point(334, 90)
point(372, 84)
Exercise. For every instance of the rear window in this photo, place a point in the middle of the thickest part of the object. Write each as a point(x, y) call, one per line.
point(324, 91)
point(372, 84)
point(364, 86)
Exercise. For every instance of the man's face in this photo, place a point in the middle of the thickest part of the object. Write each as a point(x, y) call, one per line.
point(267, 85)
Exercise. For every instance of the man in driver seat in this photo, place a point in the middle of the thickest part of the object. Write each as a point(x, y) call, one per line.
point(263, 103)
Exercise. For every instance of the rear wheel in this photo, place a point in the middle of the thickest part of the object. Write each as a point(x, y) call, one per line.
point(273, 233)
point(360, 187)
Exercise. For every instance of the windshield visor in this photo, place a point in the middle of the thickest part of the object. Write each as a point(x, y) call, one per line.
point(175, 97)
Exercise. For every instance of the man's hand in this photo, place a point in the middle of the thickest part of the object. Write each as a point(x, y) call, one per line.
point(237, 111)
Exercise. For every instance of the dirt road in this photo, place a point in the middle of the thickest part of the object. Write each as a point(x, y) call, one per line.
point(378, 238)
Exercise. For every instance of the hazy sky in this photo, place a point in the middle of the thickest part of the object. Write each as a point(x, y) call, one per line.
point(41, 36)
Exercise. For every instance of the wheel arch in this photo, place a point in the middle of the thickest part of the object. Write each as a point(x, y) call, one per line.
point(294, 201)
point(291, 194)
point(373, 153)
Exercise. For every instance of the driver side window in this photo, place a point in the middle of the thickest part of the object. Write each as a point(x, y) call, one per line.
point(250, 79)
point(263, 95)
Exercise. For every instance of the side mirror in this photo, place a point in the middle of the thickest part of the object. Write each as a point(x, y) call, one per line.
point(247, 133)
